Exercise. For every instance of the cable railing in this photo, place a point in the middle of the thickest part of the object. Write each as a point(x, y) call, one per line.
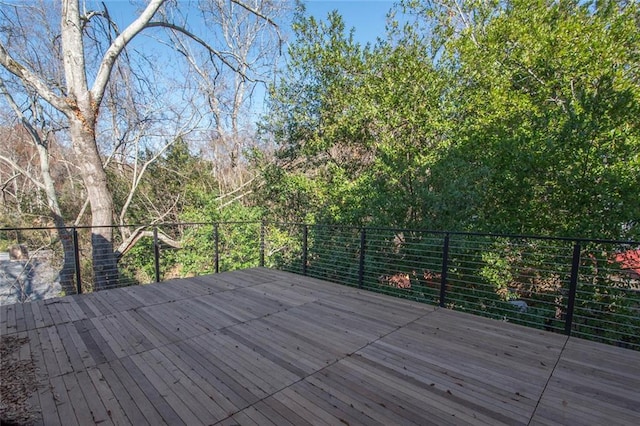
point(586, 288)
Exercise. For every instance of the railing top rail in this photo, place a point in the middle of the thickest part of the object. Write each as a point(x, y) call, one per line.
point(469, 233)
point(128, 225)
point(580, 240)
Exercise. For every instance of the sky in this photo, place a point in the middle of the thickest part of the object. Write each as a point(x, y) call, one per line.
point(368, 17)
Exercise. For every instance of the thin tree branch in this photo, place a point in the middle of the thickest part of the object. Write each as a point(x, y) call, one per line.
point(32, 131)
point(204, 44)
point(32, 80)
point(263, 16)
point(118, 45)
point(23, 172)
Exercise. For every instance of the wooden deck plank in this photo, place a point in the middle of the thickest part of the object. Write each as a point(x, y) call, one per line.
point(435, 378)
point(95, 344)
point(272, 415)
point(146, 326)
point(120, 300)
point(112, 335)
point(21, 324)
point(155, 324)
point(76, 363)
point(30, 322)
point(261, 372)
point(90, 306)
point(205, 315)
point(104, 393)
point(294, 337)
point(262, 347)
point(592, 384)
point(146, 295)
point(151, 394)
point(128, 337)
point(467, 370)
point(141, 338)
point(4, 319)
point(371, 400)
point(265, 343)
point(49, 411)
point(81, 303)
point(38, 317)
point(47, 320)
point(105, 304)
point(243, 380)
point(63, 402)
point(206, 408)
point(66, 310)
point(83, 413)
point(167, 397)
point(304, 407)
point(181, 321)
point(130, 398)
point(215, 283)
point(59, 351)
point(283, 410)
point(9, 325)
point(51, 367)
point(50, 306)
point(444, 399)
point(343, 337)
point(218, 380)
point(195, 373)
point(324, 399)
point(352, 406)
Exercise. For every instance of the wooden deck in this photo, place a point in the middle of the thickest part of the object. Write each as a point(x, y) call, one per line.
point(263, 347)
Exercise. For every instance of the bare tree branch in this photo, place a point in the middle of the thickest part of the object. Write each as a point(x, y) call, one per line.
point(206, 45)
point(22, 171)
point(30, 79)
point(118, 45)
point(263, 16)
point(140, 233)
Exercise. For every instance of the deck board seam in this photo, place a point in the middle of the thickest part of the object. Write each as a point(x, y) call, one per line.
point(546, 385)
point(318, 371)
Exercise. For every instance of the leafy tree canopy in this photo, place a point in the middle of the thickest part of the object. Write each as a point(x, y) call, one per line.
point(510, 116)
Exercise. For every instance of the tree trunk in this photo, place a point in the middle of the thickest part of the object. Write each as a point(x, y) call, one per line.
point(68, 265)
point(88, 159)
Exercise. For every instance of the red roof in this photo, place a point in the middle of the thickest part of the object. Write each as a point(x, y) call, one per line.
point(629, 260)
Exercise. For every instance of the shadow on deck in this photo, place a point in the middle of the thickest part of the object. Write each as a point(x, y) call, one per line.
point(267, 347)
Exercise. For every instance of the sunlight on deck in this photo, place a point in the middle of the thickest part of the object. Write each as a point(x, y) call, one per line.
point(260, 347)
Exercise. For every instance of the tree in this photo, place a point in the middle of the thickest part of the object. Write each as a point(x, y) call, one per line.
point(359, 128)
point(512, 117)
point(230, 85)
point(546, 98)
point(78, 99)
point(41, 139)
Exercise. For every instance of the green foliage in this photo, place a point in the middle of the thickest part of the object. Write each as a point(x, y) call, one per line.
point(171, 183)
point(138, 265)
point(547, 103)
point(238, 237)
point(497, 272)
point(516, 117)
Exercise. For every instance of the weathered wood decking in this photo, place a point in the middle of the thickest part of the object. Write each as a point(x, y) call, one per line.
point(262, 347)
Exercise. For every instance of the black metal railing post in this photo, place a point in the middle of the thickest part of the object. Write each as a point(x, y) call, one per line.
point(262, 243)
point(156, 253)
point(443, 273)
point(363, 246)
point(76, 258)
point(573, 288)
point(216, 247)
point(305, 248)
